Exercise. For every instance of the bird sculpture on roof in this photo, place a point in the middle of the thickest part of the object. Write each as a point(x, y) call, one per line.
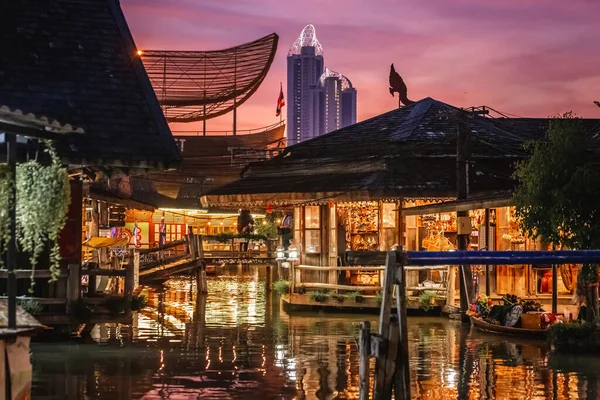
point(597, 103)
point(397, 85)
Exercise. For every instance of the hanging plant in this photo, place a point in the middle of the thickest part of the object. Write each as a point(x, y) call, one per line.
point(6, 184)
point(43, 197)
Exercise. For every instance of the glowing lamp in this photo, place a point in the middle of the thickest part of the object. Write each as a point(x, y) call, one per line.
point(139, 52)
point(292, 253)
point(280, 254)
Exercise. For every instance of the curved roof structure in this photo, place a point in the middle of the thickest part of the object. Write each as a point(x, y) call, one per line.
point(328, 73)
point(307, 38)
point(199, 85)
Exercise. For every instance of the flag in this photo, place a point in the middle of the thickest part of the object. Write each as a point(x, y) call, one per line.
point(280, 101)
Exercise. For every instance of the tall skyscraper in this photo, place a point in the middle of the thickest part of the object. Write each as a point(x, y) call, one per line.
point(304, 68)
point(320, 100)
point(339, 101)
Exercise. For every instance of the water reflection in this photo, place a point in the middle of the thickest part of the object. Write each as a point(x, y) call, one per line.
point(237, 344)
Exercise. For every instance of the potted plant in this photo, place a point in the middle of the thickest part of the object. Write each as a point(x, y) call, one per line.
point(281, 287)
point(356, 297)
point(427, 300)
point(320, 296)
point(337, 298)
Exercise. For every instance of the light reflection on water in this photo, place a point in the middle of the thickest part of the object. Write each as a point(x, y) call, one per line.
point(237, 344)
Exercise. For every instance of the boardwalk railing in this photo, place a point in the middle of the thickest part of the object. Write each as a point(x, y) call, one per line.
point(390, 345)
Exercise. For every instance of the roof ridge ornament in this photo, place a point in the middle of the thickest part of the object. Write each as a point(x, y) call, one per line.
point(397, 85)
point(307, 38)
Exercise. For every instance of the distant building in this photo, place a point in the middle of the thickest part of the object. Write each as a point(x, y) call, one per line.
point(319, 99)
point(339, 101)
point(305, 67)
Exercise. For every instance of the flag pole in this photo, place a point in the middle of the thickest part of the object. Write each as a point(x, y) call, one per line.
point(281, 112)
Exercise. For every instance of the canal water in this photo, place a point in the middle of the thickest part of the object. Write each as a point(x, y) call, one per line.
point(236, 343)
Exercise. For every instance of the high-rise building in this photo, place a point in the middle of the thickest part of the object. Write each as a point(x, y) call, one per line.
point(304, 68)
point(320, 100)
point(339, 101)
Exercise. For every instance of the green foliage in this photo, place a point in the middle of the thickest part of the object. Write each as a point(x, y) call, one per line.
point(357, 297)
point(379, 298)
point(281, 286)
point(320, 295)
point(266, 227)
point(425, 299)
point(338, 298)
point(82, 311)
point(43, 197)
point(32, 306)
point(116, 305)
point(6, 184)
point(138, 302)
point(574, 338)
point(557, 195)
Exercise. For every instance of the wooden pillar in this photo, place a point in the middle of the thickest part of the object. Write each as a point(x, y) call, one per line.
point(73, 286)
point(402, 373)
point(292, 277)
point(487, 248)
point(11, 250)
point(462, 190)
point(136, 269)
point(384, 323)
point(555, 286)
point(451, 286)
point(129, 279)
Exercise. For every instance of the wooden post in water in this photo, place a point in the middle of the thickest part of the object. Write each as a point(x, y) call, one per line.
point(73, 286)
point(384, 323)
point(136, 269)
point(202, 269)
point(364, 350)
point(402, 373)
point(129, 278)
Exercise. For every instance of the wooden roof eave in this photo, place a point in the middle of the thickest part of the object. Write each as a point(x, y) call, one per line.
point(460, 205)
point(289, 198)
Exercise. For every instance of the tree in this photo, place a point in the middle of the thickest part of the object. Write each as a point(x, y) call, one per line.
point(557, 198)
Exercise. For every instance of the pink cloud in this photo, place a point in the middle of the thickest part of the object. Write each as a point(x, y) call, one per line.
point(530, 58)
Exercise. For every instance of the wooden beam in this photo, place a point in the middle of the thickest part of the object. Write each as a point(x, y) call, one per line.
point(26, 274)
point(452, 206)
point(310, 285)
point(317, 268)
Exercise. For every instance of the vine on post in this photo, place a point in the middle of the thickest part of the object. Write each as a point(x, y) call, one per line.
point(42, 203)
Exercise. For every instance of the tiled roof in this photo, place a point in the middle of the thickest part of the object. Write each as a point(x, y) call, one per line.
point(75, 61)
point(410, 151)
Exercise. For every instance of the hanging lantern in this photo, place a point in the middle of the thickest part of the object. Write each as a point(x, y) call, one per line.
point(269, 208)
point(331, 204)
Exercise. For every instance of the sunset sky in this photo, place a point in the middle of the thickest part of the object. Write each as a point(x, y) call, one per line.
point(523, 57)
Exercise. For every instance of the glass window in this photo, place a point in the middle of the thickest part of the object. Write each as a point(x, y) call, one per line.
point(311, 217)
point(389, 215)
point(313, 241)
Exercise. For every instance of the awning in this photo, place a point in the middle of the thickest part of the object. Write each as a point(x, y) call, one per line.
point(101, 242)
point(28, 124)
point(474, 203)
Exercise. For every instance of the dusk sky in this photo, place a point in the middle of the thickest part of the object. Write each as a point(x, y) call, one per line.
point(523, 57)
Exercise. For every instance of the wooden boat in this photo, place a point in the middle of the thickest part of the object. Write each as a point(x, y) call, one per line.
point(506, 330)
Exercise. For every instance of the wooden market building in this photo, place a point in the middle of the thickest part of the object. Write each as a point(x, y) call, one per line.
point(76, 61)
point(392, 181)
